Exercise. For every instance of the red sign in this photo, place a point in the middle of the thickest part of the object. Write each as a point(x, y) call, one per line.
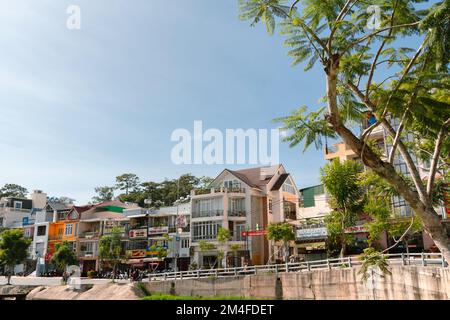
point(356, 229)
point(254, 233)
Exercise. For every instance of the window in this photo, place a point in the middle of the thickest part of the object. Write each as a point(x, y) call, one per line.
point(270, 205)
point(288, 187)
point(205, 230)
point(69, 229)
point(185, 243)
point(17, 204)
point(236, 207)
point(41, 230)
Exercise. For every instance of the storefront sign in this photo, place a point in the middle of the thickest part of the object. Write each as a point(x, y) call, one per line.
point(137, 254)
point(311, 233)
point(254, 233)
point(138, 233)
point(356, 229)
point(158, 230)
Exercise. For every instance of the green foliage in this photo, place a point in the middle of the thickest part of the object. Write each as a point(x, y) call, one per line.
point(341, 182)
point(160, 296)
point(309, 128)
point(280, 232)
point(127, 181)
point(64, 256)
point(13, 247)
point(346, 199)
point(110, 248)
point(373, 259)
point(223, 235)
point(104, 193)
point(206, 246)
point(13, 190)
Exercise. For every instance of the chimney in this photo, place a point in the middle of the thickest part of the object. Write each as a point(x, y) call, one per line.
point(55, 216)
point(39, 199)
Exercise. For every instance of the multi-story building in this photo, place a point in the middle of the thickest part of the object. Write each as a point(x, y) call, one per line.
point(420, 241)
point(311, 233)
point(243, 202)
point(156, 231)
point(94, 223)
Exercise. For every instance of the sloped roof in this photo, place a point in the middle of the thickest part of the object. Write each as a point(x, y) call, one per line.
point(58, 206)
point(252, 176)
point(280, 181)
point(96, 211)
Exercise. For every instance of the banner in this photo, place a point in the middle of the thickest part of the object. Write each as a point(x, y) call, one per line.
point(254, 233)
point(137, 233)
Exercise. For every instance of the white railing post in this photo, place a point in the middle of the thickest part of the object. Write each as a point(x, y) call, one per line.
point(350, 262)
point(423, 260)
point(276, 269)
point(328, 264)
point(308, 266)
point(443, 260)
point(403, 259)
point(198, 273)
point(287, 267)
point(235, 271)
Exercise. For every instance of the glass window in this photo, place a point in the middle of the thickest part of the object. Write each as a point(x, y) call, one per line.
point(41, 230)
point(17, 204)
point(69, 229)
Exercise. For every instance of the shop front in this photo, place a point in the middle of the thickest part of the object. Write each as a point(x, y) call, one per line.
point(310, 242)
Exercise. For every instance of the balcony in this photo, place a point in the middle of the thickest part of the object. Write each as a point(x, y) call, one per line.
point(89, 234)
point(207, 214)
point(237, 213)
point(236, 189)
point(88, 254)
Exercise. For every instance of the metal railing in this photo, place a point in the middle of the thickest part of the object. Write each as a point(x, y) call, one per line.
point(423, 259)
point(207, 213)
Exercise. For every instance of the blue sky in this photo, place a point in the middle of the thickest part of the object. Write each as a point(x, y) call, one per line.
point(79, 107)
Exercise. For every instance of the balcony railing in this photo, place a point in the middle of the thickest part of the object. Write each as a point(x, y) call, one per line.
point(207, 214)
point(237, 213)
point(89, 234)
point(219, 190)
point(88, 254)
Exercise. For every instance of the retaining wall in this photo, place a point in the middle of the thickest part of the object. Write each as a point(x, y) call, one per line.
point(405, 283)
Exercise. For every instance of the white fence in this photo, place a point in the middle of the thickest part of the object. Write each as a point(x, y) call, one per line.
point(422, 259)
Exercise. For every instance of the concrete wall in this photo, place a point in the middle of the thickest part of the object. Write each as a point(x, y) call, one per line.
point(263, 286)
point(405, 283)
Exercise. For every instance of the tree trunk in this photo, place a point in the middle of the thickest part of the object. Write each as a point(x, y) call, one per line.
point(343, 247)
point(8, 275)
point(286, 251)
point(431, 222)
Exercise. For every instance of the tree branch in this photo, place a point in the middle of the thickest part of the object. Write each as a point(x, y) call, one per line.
point(351, 45)
point(380, 49)
point(435, 157)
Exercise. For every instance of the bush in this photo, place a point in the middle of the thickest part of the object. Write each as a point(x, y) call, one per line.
point(91, 274)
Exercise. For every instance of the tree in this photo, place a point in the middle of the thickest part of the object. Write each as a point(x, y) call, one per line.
point(235, 247)
point(13, 190)
point(377, 206)
point(127, 181)
point(13, 249)
point(110, 249)
point(64, 256)
point(281, 232)
point(206, 246)
point(341, 182)
point(366, 68)
point(223, 236)
point(103, 194)
point(65, 200)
